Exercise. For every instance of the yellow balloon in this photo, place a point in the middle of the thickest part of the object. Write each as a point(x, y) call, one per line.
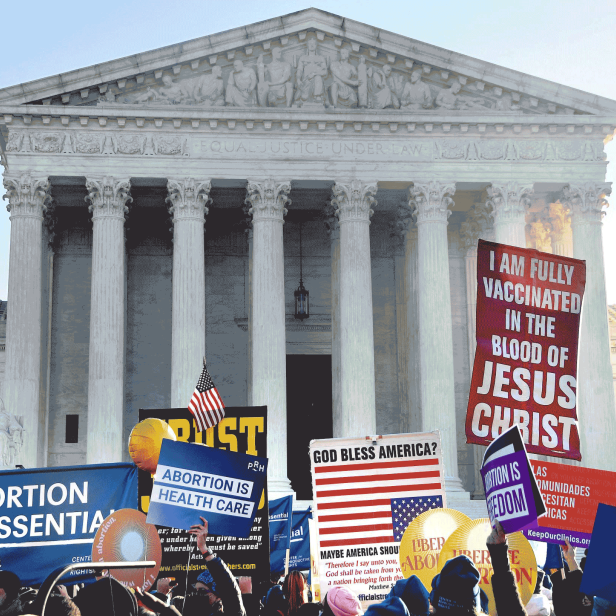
point(145, 441)
point(423, 540)
point(470, 539)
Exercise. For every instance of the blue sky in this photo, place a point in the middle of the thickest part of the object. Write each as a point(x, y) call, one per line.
point(568, 41)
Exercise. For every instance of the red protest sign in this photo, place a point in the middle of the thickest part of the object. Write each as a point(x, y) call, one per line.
point(571, 495)
point(525, 371)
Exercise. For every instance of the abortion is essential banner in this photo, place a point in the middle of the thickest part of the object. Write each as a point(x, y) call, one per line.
point(525, 370)
point(49, 516)
point(572, 495)
point(280, 525)
point(366, 493)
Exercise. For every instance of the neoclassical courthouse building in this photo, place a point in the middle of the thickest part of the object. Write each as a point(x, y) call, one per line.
point(310, 145)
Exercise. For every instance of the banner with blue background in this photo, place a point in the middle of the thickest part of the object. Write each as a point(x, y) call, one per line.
point(300, 541)
point(280, 524)
point(49, 516)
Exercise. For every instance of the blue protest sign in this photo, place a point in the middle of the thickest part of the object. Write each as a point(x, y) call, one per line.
point(599, 577)
point(49, 516)
point(227, 494)
point(280, 522)
point(299, 559)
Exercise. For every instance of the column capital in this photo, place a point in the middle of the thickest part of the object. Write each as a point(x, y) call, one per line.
point(330, 220)
point(188, 198)
point(27, 196)
point(587, 200)
point(475, 227)
point(509, 200)
point(353, 200)
point(108, 196)
point(430, 201)
point(559, 216)
point(267, 199)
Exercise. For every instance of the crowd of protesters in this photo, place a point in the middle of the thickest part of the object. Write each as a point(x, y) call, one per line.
point(455, 592)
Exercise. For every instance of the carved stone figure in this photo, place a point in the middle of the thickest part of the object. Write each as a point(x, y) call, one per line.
point(275, 88)
point(345, 77)
point(362, 78)
point(380, 91)
point(11, 438)
point(170, 93)
point(241, 86)
point(311, 73)
point(209, 89)
point(506, 103)
point(416, 94)
point(539, 233)
point(108, 97)
point(447, 98)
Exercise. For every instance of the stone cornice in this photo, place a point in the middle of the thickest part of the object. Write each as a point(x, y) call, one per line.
point(279, 30)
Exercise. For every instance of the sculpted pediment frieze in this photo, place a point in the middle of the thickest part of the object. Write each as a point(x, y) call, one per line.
point(312, 71)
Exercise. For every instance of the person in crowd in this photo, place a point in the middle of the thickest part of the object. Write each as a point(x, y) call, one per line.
point(539, 604)
point(413, 594)
point(218, 587)
point(455, 590)
point(391, 606)
point(10, 603)
point(151, 604)
point(274, 602)
point(506, 594)
point(61, 605)
point(164, 589)
point(310, 609)
point(566, 596)
point(106, 597)
point(340, 601)
point(295, 592)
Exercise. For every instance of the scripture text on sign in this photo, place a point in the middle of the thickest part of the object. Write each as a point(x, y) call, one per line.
point(525, 371)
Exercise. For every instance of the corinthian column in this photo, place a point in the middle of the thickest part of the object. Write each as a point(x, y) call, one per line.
point(268, 199)
point(353, 201)
point(474, 228)
point(28, 198)
point(333, 229)
point(595, 389)
point(108, 197)
point(509, 203)
point(431, 203)
point(188, 199)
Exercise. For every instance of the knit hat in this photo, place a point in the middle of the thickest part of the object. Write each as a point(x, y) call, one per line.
point(11, 584)
point(343, 602)
point(414, 595)
point(392, 606)
point(456, 586)
point(538, 606)
point(105, 597)
point(206, 578)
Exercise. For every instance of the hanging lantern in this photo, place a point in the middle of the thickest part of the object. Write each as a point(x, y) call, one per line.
point(302, 310)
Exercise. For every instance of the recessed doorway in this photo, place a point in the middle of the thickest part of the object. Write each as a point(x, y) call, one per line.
point(309, 414)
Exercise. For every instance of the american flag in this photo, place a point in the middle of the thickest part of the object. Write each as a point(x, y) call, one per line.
point(355, 501)
point(206, 404)
point(405, 510)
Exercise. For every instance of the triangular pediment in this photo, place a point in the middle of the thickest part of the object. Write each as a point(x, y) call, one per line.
point(377, 76)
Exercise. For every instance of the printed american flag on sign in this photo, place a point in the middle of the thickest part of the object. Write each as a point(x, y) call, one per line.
point(206, 404)
point(355, 500)
point(405, 510)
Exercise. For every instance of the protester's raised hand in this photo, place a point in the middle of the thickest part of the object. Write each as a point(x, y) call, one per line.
point(497, 536)
point(62, 590)
point(150, 601)
point(200, 531)
point(569, 554)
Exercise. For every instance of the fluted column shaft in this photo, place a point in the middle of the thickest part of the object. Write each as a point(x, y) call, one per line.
point(267, 199)
point(353, 201)
point(27, 198)
point(333, 229)
point(595, 389)
point(188, 200)
point(108, 197)
point(431, 203)
point(509, 204)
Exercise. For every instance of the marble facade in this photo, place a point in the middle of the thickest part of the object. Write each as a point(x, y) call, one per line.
point(398, 155)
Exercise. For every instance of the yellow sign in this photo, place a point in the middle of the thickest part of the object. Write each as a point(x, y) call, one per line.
point(423, 540)
point(470, 540)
